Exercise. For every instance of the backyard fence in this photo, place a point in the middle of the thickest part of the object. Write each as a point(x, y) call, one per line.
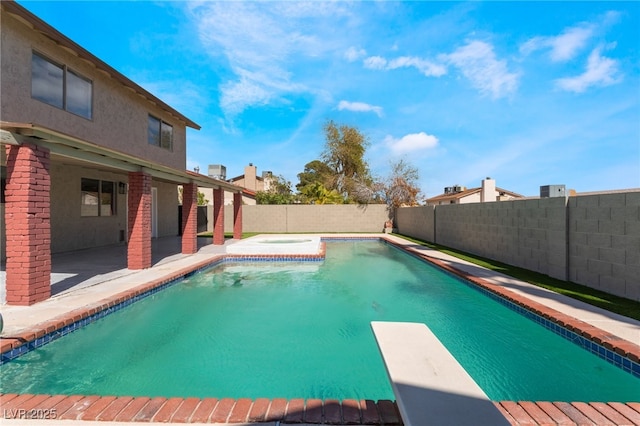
point(592, 240)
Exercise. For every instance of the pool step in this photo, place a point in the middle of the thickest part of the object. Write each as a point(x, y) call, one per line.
point(25, 409)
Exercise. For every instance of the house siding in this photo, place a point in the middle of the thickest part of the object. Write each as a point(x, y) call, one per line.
point(120, 116)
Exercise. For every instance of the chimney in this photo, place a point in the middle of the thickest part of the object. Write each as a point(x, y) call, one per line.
point(250, 172)
point(488, 192)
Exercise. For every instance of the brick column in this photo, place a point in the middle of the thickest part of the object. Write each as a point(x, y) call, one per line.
point(28, 222)
point(189, 218)
point(139, 212)
point(237, 215)
point(218, 216)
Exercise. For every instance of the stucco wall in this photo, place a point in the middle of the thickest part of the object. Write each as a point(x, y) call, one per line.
point(167, 208)
point(120, 116)
point(592, 240)
point(309, 218)
point(70, 230)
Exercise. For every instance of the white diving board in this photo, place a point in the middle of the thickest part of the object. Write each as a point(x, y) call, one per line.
point(430, 386)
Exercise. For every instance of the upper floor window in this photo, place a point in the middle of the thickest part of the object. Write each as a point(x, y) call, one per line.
point(160, 133)
point(57, 85)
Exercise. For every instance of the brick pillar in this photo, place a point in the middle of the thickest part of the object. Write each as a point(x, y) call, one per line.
point(218, 216)
point(189, 218)
point(237, 215)
point(28, 222)
point(139, 211)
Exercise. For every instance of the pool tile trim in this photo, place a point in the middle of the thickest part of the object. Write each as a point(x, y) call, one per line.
point(12, 347)
point(144, 409)
point(619, 352)
point(293, 411)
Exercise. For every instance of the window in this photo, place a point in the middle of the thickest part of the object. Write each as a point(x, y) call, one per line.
point(160, 133)
point(97, 198)
point(60, 87)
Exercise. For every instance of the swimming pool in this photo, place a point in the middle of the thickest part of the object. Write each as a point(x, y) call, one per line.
point(266, 330)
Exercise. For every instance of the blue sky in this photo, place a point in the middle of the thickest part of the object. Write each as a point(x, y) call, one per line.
point(528, 93)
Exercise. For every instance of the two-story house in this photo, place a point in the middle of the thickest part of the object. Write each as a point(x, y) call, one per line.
point(88, 158)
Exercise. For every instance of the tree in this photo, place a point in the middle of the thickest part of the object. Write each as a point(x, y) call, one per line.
point(316, 193)
point(201, 200)
point(279, 192)
point(344, 155)
point(401, 187)
point(314, 172)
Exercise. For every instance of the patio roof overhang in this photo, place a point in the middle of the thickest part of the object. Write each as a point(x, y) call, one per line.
point(70, 147)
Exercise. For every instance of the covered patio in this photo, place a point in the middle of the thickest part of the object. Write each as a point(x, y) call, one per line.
point(40, 190)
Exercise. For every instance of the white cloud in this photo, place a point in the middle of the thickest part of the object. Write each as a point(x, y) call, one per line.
point(601, 71)
point(262, 42)
point(359, 107)
point(572, 40)
point(427, 68)
point(564, 46)
point(375, 63)
point(353, 54)
point(477, 62)
point(411, 142)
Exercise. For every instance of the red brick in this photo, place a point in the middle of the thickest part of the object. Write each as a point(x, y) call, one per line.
point(313, 411)
point(591, 413)
point(34, 402)
point(222, 410)
point(351, 412)
point(65, 404)
point(75, 412)
point(295, 411)
point(518, 413)
point(610, 413)
point(149, 410)
point(204, 410)
point(573, 413)
point(186, 410)
point(110, 412)
point(92, 412)
point(332, 412)
point(370, 414)
point(626, 411)
point(388, 412)
point(276, 410)
point(555, 413)
point(18, 401)
point(505, 413)
point(131, 410)
point(536, 413)
point(259, 410)
point(240, 411)
point(168, 409)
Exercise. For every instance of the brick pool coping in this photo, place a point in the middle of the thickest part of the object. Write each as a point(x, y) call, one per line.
point(313, 411)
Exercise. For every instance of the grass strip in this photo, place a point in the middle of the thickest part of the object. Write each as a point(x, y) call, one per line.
point(601, 299)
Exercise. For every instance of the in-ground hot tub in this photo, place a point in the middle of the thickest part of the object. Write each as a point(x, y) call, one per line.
point(277, 244)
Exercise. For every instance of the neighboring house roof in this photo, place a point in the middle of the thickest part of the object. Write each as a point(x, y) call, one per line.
point(462, 194)
point(47, 30)
point(233, 179)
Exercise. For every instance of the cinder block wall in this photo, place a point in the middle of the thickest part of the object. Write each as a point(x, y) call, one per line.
point(528, 233)
point(592, 240)
point(418, 222)
point(604, 242)
point(309, 218)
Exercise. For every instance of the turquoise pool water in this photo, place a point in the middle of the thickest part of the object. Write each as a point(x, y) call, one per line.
point(302, 330)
